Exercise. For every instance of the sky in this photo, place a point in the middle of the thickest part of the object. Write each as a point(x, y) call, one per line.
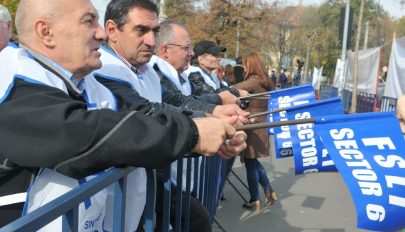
point(393, 7)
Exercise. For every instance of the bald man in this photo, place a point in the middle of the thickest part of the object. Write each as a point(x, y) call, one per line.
point(57, 117)
point(5, 27)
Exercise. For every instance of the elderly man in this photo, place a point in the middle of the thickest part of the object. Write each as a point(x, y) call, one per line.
point(174, 51)
point(202, 77)
point(57, 117)
point(173, 55)
point(5, 27)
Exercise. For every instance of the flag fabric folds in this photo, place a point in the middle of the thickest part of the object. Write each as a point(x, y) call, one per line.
point(285, 137)
point(289, 97)
point(309, 153)
point(368, 151)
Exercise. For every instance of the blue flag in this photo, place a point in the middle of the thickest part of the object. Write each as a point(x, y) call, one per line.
point(369, 152)
point(289, 97)
point(286, 137)
point(309, 153)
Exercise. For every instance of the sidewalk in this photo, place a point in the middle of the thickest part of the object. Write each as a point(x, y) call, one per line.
point(311, 203)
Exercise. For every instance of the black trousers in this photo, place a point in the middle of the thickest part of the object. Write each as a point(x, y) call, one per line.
point(9, 213)
point(200, 220)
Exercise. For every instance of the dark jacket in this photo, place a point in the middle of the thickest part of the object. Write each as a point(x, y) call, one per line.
point(42, 126)
point(238, 72)
point(257, 140)
point(171, 95)
point(199, 87)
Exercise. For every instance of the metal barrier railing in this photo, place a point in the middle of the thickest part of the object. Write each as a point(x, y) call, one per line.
point(207, 188)
point(365, 102)
point(67, 204)
point(388, 104)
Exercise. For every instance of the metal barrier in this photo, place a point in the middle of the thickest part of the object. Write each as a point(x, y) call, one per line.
point(365, 102)
point(388, 104)
point(206, 187)
point(67, 204)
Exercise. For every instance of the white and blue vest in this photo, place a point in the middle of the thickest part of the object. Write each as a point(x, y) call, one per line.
point(171, 73)
point(148, 86)
point(50, 184)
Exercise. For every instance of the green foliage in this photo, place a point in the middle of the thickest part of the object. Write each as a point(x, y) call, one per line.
point(276, 31)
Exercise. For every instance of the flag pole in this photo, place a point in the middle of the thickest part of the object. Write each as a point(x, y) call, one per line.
point(274, 124)
point(265, 113)
point(254, 95)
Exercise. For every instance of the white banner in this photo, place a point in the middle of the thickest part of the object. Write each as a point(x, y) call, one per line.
point(395, 85)
point(367, 73)
point(336, 80)
point(316, 78)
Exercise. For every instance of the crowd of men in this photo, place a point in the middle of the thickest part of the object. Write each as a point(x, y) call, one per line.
point(76, 99)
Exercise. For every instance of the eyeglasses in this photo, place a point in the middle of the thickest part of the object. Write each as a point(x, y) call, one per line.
point(185, 48)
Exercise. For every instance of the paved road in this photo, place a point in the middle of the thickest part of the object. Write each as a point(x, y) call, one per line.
point(310, 203)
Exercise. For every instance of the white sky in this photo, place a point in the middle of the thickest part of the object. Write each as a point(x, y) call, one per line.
point(393, 7)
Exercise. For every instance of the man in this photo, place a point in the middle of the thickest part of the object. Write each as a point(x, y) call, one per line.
point(5, 27)
point(203, 78)
point(173, 55)
point(131, 26)
point(174, 47)
point(238, 70)
point(282, 78)
point(56, 116)
point(135, 48)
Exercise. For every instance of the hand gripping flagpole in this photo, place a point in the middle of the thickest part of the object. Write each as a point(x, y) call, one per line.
point(257, 95)
point(265, 113)
point(274, 124)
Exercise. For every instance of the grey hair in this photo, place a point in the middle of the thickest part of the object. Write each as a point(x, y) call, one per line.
point(4, 14)
point(166, 33)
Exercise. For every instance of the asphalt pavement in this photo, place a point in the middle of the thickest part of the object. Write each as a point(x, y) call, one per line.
point(318, 202)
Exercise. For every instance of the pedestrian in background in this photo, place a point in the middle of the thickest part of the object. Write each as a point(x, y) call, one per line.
point(256, 80)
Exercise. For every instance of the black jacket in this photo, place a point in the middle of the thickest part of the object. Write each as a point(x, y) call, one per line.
point(199, 87)
point(171, 94)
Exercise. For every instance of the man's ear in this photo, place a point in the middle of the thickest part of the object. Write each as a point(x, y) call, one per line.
point(44, 32)
point(111, 30)
point(200, 59)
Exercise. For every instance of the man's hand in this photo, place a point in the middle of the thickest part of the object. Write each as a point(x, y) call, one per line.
point(228, 98)
point(233, 146)
point(226, 111)
point(243, 93)
point(212, 134)
point(401, 112)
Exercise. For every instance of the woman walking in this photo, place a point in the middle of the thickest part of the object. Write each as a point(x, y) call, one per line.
point(256, 80)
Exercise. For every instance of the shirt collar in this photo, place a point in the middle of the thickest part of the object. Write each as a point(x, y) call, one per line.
point(79, 85)
point(138, 70)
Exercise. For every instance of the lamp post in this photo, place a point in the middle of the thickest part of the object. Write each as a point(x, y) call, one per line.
point(344, 45)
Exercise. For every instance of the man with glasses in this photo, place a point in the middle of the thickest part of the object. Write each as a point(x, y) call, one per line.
point(173, 54)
